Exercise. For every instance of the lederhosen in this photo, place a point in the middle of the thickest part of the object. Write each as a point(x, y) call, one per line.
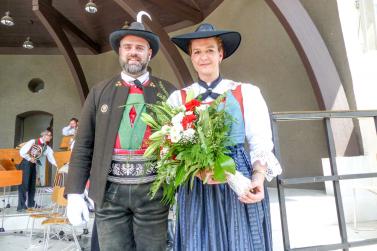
point(29, 174)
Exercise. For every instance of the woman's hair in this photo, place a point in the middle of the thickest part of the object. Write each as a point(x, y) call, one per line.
point(218, 40)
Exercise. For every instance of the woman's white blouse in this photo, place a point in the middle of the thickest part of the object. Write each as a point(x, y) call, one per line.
point(257, 121)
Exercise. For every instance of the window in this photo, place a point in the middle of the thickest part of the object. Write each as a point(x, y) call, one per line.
point(367, 24)
point(36, 85)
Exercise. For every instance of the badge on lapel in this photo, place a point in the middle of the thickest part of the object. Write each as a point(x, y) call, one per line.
point(104, 108)
point(151, 84)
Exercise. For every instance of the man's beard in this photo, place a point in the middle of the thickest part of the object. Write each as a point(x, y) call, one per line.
point(133, 69)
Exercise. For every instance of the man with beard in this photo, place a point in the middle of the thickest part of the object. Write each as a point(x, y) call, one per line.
point(109, 150)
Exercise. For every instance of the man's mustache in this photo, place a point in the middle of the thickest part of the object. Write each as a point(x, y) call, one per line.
point(133, 57)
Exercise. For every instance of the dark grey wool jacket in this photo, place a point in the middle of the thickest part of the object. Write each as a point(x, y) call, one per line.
point(99, 123)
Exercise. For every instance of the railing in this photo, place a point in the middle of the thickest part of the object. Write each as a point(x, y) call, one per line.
point(335, 177)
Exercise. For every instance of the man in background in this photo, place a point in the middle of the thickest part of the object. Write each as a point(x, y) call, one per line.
point(33, 154)
point(71, 128)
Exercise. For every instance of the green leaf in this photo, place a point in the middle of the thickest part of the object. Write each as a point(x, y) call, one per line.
point(223, 164)
point(179, 179)
point(157, 135)
point(151, 149)
point(190, 95)
point(148, 119)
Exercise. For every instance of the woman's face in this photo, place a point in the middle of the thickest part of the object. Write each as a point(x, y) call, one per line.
point(206, 58)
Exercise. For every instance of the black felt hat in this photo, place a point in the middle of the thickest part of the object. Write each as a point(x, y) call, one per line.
point(230, 39)
point(135, 29)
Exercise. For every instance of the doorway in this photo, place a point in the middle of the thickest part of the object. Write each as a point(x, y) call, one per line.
point(29, 125)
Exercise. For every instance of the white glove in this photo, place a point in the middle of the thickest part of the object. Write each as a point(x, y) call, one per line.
point(90, 202)
point(239, 183)
point(77, 209)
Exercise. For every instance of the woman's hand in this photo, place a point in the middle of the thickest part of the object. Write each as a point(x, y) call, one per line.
point(256, 192)
point(207, 177)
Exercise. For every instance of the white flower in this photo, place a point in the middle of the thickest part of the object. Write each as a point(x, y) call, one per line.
point(202, 107)
point(189, 134)
point(164, 151)
point(177, 119)
point(176, 133)
point(165, 129)
point(182, 108)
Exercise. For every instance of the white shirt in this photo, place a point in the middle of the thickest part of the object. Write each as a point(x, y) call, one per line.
point(68, 131)
point(48, 152)
point(130, 79)
point(257, 121)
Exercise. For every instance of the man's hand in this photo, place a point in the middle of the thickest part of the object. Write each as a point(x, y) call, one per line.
point(77, 209)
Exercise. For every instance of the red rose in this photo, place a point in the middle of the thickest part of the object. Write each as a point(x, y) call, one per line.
point(187, 121)
point(190, 106)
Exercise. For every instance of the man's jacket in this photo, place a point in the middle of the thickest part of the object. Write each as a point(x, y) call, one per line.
point(99, 124)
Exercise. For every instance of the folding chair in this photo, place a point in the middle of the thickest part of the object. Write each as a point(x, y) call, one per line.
point(51, 210)
point(60, 221)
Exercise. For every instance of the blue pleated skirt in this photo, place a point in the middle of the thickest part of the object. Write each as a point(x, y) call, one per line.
point(211, 218)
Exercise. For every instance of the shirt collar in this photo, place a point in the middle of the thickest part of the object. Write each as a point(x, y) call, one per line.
point(211, 85)
point(130, 79)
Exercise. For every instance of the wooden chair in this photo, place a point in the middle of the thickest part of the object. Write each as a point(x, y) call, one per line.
point(53, 208)
point(60, 221)
point(62, 158)
point(9, 176)
point(65, 142)
point(53, 211)
point(8, 164)
point(12, 154)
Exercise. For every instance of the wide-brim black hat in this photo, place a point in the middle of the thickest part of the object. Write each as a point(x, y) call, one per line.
point(135, 29)
point(230, 39)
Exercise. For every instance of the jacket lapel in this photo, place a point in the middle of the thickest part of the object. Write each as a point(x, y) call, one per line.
point(150, 92)
point(116, 113)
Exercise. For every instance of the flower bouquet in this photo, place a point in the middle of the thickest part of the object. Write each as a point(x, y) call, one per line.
point(190, 139)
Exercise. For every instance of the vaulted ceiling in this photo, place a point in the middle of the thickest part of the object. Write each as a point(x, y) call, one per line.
point(93, 29)
point(64, 27)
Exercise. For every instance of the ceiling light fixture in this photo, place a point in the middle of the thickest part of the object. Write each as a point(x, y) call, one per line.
point(28, 44)
point(91, 7)
point(7, 19)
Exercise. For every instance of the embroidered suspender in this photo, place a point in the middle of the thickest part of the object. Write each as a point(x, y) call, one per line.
point(183, 96)
point(237, 93)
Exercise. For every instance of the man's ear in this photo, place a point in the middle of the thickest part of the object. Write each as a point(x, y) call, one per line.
point(150, 54)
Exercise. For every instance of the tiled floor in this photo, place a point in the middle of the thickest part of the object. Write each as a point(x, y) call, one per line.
point(311, 221)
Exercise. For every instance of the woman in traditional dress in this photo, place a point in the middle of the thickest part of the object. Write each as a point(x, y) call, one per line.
point(211, 216)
